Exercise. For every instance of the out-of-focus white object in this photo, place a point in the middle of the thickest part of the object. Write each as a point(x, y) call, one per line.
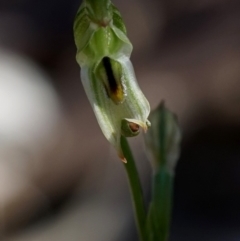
point(29, 122)
point(29, 107)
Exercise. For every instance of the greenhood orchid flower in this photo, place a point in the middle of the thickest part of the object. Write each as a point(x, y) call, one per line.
point(103, 52)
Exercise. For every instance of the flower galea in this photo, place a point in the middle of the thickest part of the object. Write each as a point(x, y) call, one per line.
point(103, 52)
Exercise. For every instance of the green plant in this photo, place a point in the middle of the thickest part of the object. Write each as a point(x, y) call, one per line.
point(103, 53)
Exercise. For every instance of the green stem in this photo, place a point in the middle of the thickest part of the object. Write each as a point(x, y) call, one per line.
point(162, 185)
point(136, 189)
point(162, 203)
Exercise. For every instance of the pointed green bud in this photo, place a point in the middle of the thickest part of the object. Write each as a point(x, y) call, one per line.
point(103, 52)
point(163, 139)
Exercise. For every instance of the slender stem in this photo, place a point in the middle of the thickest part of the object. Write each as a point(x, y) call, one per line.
point(162, 203)
point(162, 184)
point(136, 189)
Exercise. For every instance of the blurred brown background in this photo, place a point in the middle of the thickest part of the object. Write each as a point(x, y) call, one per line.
point(59, 179)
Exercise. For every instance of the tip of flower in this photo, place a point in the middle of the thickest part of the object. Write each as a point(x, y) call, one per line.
point(144, 126)
point(122, 157)
point(124, 160)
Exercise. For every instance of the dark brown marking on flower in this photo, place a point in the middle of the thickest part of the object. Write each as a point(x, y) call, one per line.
point(104, 23)
point(112, 79)
point(134, 127)
point(110, 75)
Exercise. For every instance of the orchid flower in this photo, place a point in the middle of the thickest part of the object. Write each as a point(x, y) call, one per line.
point(103, 53)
